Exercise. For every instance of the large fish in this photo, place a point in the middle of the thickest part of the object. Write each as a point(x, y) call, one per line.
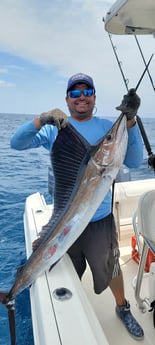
point(83, 175)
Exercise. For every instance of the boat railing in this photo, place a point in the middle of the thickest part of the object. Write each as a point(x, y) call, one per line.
point(144, 226)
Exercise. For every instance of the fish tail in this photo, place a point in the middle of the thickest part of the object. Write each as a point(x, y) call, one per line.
point(10, 305)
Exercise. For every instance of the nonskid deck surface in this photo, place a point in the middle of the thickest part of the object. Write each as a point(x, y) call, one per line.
point(104, 304)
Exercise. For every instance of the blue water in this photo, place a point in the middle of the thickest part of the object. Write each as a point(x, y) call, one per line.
point(21, 174)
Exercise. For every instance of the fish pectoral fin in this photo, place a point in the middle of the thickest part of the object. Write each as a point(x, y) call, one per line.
point(19, 270)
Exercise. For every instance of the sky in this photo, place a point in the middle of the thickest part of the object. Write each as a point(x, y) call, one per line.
point(44, 42)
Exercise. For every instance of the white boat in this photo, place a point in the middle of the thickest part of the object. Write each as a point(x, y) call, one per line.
point(65, 310)
point(131, 17)
point(61, 311)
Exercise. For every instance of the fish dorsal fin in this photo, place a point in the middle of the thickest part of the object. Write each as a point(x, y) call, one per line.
point(70, 154)
point(70, 150)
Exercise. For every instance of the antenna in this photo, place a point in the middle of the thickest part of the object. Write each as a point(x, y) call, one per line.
point(146, 69)
point(142, 55)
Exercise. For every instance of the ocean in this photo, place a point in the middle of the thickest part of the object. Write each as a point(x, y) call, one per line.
point(23, 173)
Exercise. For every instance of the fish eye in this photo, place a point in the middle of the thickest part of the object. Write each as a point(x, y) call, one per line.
point(109, 137)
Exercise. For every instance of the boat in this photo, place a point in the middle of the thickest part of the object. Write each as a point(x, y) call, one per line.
point(131, 17)
point(61, 311)
point(64, 309)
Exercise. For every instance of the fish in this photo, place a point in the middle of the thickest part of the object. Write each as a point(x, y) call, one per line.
point(83, 175)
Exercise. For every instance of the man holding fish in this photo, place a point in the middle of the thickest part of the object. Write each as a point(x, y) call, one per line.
point(98, 243)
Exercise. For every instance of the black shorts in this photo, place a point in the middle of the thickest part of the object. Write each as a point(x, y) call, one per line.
point(97, 245)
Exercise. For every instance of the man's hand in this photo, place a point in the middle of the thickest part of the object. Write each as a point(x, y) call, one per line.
point(130, 104)
point(54, 117)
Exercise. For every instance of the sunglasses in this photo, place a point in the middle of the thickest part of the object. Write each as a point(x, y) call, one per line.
point(77, 93)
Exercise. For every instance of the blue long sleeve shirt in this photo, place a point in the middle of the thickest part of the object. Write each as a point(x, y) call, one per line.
point(27, 136)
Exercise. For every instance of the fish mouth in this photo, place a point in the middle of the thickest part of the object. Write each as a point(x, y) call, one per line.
point(123, 123)
point(116, 133)
point(113, 145)
point(120, 124)
point(118, 130)
point(121, 137)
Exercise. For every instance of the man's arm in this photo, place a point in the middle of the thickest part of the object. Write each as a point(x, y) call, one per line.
point(25, 137)
point(134, 153)
point(37, 132)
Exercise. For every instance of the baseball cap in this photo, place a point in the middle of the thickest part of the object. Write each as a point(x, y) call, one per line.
point(80, 78)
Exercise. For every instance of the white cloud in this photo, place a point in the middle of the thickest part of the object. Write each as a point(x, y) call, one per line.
point(53, 33)
point(69, 36)
point(3, 70)
point(4, 83)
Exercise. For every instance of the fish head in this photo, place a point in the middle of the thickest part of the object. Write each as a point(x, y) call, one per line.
point(111, 149)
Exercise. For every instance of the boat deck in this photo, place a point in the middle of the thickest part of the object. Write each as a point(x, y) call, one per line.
point(104, 304)
point(86, 318)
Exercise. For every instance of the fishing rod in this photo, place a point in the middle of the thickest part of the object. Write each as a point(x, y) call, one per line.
point(151, 159)
point(151, 156)
point(126, 81)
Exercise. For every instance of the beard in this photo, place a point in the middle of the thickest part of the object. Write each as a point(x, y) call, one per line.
point(81, 115)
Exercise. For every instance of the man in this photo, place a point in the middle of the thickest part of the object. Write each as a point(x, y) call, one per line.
point(103, 258)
